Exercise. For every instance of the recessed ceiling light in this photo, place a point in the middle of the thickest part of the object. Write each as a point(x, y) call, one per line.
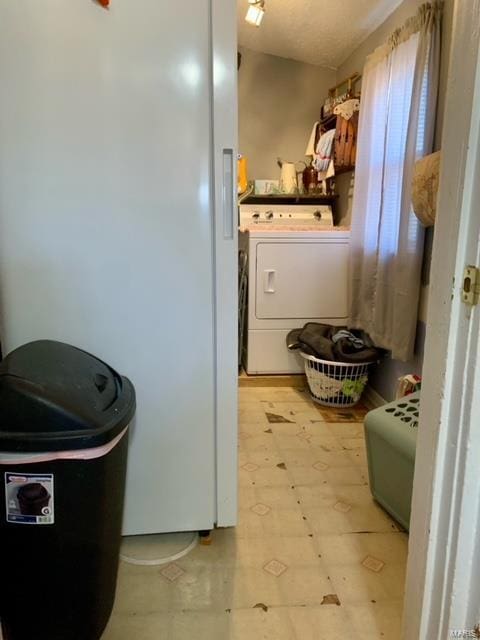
point(255, 12)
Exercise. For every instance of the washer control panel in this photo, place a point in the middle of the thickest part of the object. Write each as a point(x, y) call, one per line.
point(286, 215)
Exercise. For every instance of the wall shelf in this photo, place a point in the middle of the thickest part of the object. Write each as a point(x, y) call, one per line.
point(290, 198)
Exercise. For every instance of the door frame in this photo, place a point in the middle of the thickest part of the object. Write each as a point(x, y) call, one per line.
point(443, 591)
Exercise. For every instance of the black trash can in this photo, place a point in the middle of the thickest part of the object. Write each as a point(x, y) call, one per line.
point(64, 418)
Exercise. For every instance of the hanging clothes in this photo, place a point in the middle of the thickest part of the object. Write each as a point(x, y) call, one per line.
point(324, 152)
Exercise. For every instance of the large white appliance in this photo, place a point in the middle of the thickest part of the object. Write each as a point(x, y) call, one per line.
point(117, 187)
point(297, 273)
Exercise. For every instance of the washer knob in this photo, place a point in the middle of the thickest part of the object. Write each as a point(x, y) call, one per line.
point(256, 215)
point(269, 215)
point(317, 215)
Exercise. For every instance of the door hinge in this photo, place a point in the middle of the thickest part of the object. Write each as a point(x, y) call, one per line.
point(471, 285)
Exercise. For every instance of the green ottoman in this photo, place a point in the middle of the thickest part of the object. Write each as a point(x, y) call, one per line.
point(391, 439)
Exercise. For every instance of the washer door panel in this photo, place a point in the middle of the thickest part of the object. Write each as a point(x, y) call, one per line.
point(302, 280)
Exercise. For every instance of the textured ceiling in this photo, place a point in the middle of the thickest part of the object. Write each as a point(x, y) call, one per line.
point(323, 32)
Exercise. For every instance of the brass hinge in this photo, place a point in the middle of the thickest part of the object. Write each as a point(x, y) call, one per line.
point(471, 285)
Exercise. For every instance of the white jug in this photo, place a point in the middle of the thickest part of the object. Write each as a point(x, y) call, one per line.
point(288, 178)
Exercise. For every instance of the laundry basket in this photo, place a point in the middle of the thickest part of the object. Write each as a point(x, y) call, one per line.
point(335, 384)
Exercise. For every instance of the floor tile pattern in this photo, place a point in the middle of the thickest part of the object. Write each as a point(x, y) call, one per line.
point(313, 556)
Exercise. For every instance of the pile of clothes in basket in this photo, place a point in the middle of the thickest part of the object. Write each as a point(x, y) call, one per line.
point(336, 361)
point(336, 344)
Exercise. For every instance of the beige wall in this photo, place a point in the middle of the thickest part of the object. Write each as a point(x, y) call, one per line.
point(279, 100)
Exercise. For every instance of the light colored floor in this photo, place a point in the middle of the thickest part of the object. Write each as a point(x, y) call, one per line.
point(313, 557)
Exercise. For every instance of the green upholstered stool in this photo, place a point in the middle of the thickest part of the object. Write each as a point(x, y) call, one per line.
point(391, 438)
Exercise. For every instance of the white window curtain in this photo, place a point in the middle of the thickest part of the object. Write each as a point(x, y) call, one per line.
point(397, 120)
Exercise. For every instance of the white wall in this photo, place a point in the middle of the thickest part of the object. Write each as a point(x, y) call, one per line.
point(279, 100)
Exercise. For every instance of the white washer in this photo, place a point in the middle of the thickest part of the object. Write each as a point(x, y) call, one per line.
point(298, 273)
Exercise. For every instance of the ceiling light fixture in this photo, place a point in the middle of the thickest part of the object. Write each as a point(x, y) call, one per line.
point(255, 12)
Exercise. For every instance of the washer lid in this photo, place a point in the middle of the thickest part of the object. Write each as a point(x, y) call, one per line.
point(56, 397)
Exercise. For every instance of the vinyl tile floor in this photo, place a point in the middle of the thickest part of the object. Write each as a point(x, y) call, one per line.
point(313, 556)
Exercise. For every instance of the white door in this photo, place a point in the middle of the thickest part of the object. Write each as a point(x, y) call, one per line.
point(443, 587)
point(106, 221)
point(302, 280)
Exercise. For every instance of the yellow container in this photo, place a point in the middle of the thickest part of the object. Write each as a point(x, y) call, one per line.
point(242, 174)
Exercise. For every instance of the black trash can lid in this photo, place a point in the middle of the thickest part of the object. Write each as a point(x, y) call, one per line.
point(55, 397)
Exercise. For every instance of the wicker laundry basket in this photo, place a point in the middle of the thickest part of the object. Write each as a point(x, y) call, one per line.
point(335, 384)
